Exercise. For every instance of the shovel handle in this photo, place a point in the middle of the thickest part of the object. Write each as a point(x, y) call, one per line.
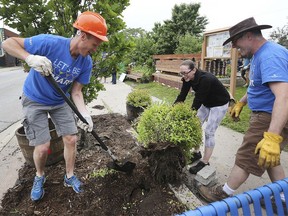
point(74, 108)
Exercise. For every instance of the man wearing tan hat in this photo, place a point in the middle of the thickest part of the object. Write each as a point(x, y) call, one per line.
point(267, 97)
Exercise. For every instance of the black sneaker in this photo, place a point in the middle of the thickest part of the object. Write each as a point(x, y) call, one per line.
point(196, 156)
point(200, 165)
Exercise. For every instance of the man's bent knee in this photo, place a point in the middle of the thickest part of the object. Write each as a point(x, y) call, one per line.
point(42, 149)
point(70, 139)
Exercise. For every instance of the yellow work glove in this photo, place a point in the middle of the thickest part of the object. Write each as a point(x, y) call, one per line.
point(236, 110)
point(269, 150)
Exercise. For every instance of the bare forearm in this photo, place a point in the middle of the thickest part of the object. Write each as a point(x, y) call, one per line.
point(279, 113)
point(244, 99)
point(78, 100)
point(279, 116)
point(15, 47)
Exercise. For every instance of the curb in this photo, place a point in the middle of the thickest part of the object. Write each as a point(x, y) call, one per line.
point(7, 135)
point(5, 69)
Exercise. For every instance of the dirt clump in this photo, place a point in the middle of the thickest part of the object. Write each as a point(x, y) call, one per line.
point(115, 193)
point(166, 162)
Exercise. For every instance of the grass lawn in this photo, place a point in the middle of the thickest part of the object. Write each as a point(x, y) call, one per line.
point(169, 95)
point(242, 125)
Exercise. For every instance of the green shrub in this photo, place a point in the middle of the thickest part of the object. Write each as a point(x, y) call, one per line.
point(139, 98)
point(185, 127)
point(228, 70)
point(101, 172)
point(176, 124)
point(145, 71)
point(151, 126)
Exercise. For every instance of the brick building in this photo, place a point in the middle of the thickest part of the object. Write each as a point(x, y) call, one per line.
point(5, 59)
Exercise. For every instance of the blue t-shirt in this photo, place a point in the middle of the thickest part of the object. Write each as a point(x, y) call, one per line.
point(269, 64)
point(246, 62)
point(65, 68)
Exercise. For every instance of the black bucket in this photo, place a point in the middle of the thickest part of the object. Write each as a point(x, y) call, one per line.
point(133, 112)
point(56, 150)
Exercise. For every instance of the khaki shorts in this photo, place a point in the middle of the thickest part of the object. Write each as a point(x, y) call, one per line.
point(245, 157)
point(36, 121)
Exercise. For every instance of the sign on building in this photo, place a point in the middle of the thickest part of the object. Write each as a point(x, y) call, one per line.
point(1, 40)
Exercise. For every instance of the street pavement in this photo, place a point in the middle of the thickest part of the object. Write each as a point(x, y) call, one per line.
point(11, 80)
point(113, 100)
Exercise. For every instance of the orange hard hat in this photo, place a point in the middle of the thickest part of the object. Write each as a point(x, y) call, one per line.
point(92, 23)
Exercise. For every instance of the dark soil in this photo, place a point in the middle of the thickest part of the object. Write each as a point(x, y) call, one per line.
point(116, 193)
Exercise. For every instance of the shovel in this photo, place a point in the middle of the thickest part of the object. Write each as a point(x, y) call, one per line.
point(124, 167)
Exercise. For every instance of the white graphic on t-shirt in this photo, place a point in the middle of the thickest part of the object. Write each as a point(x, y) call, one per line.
point(65, 73)
point(274, 76)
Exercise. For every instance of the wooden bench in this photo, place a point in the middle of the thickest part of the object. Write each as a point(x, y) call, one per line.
point(249, 202)
point(134, 76)
point(171, 63)
point(168, 68)
point(226, 85)
point(168, 79)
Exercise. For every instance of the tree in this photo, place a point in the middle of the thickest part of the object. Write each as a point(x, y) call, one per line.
point(189, 44)
point(134, 32)
point(280, 35)
point(31, 17)
point(165, 37)
point(185, 19)
point(64, 14)
point(143, 46)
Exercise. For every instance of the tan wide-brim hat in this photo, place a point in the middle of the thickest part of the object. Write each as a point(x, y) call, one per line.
point(244, 26)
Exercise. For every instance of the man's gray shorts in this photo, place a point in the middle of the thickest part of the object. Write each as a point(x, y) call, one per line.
point(36, 121)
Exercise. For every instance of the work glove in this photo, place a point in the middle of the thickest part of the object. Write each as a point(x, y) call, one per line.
point(40, 63)
point(86, 127)
point(231, 105)
point(269, 150)
point(236, 110)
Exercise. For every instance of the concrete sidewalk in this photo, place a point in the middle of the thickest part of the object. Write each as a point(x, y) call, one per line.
point(11, 158)
point(114, 100)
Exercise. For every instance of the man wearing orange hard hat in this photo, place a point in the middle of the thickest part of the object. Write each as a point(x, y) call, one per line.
point(69, 62)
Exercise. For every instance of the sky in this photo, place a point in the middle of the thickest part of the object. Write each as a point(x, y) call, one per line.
point(220, 13)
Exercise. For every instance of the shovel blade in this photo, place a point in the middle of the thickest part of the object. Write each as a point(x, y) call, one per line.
point(126, 167)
